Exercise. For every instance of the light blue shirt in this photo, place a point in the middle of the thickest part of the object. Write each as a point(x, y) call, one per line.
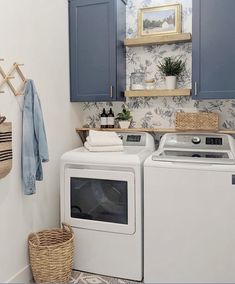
point(34, 141)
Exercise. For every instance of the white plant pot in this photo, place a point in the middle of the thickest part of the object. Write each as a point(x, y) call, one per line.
point(124, 123)
point(170, 82)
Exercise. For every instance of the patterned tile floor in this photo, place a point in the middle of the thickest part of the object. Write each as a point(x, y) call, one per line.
point(87, 278)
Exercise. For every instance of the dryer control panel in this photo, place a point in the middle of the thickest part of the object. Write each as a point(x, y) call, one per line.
point(133, 139)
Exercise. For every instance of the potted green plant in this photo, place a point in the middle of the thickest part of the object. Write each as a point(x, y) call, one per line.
point(124, 118)
point(171, 68)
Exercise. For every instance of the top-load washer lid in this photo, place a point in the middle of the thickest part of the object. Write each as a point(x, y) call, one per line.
point(224, 158)
point(196, 148)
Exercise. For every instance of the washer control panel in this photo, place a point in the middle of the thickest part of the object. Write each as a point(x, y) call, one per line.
point(196, 141)
point(214, 141)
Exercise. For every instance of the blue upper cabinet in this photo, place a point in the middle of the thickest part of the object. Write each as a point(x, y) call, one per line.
point(213, 44)
point(97, 53)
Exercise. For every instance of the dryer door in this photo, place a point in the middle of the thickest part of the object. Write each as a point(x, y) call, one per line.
point(100, 200)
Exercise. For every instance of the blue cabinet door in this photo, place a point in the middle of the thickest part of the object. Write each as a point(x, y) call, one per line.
point(213, 43)
point(95, 50)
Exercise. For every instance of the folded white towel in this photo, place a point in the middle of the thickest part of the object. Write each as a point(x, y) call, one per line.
point(103, 148)
point(104, 141)
point(103, 138)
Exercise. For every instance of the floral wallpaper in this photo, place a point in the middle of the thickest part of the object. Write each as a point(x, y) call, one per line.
point(159, 112)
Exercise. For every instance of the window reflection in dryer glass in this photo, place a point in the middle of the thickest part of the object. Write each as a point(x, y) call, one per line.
point(99, 200)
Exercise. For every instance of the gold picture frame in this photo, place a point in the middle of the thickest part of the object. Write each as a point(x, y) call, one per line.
point(160, 20)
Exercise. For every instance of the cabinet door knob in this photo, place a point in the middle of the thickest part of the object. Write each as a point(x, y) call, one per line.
point(111, 91)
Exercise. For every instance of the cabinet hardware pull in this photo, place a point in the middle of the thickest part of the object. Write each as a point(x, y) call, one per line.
point(111, 91)
point(195, 88)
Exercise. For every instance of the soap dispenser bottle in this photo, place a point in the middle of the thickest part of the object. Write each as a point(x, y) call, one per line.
point(110, 119)
point(103, 119)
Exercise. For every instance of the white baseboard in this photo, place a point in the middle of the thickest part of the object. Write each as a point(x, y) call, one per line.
point(22, 276)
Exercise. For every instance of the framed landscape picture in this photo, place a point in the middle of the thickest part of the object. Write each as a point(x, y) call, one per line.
point(159, 20)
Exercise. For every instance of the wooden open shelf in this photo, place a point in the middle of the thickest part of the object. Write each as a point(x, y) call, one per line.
point(128, 129)
point(160, 130)
point(83, 130)
point(158, 93)
point(160, 39)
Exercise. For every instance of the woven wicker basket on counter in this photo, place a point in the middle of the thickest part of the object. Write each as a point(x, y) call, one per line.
point(206, 121)
point(51, 254)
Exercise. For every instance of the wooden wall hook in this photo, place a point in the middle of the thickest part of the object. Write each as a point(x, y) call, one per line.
point(7, 76)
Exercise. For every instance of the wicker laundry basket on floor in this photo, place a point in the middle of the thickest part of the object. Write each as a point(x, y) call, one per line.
point(51, 254)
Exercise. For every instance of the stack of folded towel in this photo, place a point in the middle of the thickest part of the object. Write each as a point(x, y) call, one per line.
point(103, 141)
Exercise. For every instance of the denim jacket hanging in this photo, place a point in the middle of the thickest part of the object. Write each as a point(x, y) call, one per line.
point(34, 141)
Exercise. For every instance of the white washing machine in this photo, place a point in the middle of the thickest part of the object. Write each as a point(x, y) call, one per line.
point(102, 199)
point(189, 221)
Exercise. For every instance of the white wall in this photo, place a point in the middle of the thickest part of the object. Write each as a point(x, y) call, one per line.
point(34, 33)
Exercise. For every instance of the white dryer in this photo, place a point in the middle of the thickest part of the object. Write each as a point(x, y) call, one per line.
point(189, 221)
point(102, 199)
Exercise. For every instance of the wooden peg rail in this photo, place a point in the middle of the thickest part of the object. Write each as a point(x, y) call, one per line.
point(6, 78)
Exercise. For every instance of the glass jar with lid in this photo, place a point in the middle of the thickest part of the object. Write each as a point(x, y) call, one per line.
point(137, 80)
